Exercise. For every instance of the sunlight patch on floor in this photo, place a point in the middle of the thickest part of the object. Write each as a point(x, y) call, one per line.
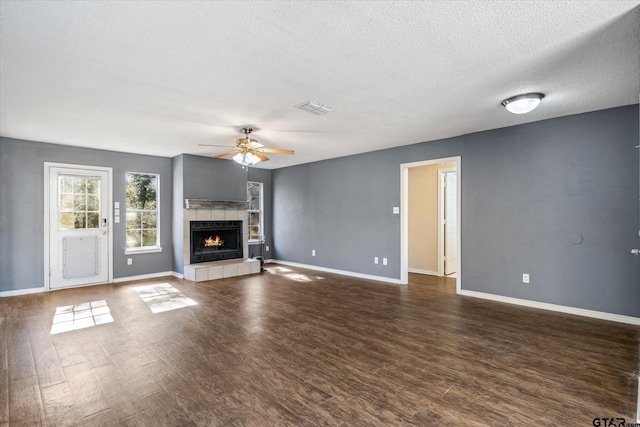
point(163, 297)
point(298, 277)
point(80, 316)
point(289, 274)
point(279, 269)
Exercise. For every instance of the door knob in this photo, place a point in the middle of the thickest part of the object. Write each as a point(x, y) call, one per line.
point(635, 252)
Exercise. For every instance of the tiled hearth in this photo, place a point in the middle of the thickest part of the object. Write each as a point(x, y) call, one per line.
point(211, 210)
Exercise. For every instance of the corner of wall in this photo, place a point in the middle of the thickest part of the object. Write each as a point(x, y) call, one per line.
point(177, 167)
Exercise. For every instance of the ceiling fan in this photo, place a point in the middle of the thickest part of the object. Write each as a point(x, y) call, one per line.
point(248, 151)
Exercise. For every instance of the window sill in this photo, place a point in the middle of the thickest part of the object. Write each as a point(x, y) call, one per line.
point(142, 251)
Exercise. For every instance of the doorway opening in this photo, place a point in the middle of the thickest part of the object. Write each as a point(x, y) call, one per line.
point(437, 240)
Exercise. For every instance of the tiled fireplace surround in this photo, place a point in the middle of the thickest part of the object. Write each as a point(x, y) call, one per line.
point(212, 210)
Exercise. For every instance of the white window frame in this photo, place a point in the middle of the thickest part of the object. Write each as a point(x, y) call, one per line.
point(144, 249)
point(260, 211)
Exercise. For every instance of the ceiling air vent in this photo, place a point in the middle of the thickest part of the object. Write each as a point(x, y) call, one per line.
point(315, 108)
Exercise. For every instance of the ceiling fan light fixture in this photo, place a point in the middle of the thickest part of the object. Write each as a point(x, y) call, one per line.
point(246, 159)
point(522, 104)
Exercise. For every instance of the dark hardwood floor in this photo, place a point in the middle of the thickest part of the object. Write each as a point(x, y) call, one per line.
point(299, 347)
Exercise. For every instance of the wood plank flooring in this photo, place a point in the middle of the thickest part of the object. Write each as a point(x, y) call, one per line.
point(303, 348)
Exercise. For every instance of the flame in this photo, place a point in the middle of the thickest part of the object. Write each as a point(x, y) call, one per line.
point(213, 241)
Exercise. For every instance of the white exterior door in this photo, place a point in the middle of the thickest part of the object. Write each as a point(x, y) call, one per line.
point(78, 226)
point(450, 222)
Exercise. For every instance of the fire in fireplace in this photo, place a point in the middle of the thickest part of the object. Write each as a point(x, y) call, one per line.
point(215, 240)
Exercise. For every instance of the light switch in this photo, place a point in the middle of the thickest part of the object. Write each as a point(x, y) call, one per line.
point(116, 212)
point(116, 205)
point(384, 261)
point(116, 219)
point(396, 210)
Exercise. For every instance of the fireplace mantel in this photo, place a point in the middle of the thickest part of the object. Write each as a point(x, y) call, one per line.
point(214, 204)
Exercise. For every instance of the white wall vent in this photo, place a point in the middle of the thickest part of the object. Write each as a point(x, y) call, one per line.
point(315, 108)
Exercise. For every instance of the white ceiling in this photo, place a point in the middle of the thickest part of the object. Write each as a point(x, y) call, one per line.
point(162, 77)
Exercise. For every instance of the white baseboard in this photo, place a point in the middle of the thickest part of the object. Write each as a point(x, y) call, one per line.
point(418, 271)
point(19, 292)
point(147, 276)
point(28, 291)
point(343, 272)
point(554, 307)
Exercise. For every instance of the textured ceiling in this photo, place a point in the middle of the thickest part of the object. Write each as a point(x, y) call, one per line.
point(161, 77)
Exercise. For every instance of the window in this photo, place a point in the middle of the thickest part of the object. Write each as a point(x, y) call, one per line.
point(79, 203)
point(142, 212)
point(254, 199)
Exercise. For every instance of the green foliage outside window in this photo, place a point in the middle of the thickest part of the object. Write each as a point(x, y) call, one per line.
point(142, 210)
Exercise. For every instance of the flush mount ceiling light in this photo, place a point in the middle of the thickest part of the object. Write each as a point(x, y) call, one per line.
point(522, 104)
point(315, 108)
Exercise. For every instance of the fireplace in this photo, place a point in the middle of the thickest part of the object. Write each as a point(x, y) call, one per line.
point(215, 240)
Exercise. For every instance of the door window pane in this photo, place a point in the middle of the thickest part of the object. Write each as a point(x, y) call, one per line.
point(93, 220)
point(80, 220)
point(66, 203)
point(76, 208)
point(66, 220)
point(80, 185)
point(93, 203)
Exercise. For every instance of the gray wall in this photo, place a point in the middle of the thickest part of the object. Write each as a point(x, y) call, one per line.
point(197, 177)
point(22, 208)
point(177, 165)
point(526, 190)
point(215, 179)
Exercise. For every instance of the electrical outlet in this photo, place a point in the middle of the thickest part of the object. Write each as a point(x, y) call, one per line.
point(266, 248)
point(375, 259)
point(129, 261)
point(313, 252)
point(384, 261)
point(525, 278)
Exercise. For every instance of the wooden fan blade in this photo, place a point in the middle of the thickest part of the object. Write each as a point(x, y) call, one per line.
point(213, 145)
point(228, 153)
point(277, 151)
point(260, 156)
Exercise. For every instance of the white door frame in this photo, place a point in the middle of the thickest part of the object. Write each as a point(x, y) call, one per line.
point(441, 196)
point(404, 215)
point(47, 177)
